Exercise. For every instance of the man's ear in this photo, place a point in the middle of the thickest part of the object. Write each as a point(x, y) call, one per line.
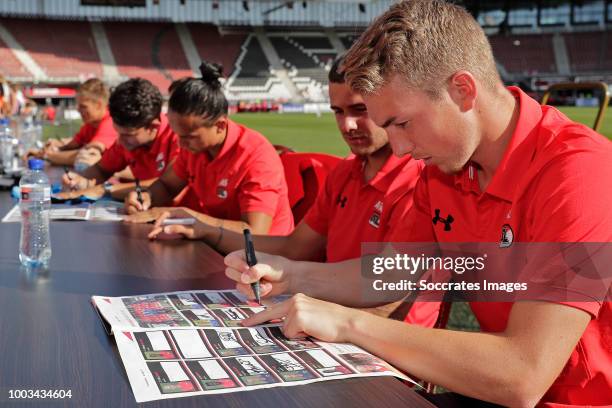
point(155, 124)
point(221, 124)
point(462, 88)
point(100, 103)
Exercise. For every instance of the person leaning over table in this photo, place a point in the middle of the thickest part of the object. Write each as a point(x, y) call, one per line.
point(146, 144)
point(234, 173)
point(495, 160)
point(93, 138)
point(375, 187)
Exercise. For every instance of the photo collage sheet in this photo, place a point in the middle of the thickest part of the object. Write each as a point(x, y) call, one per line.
point(192, 343)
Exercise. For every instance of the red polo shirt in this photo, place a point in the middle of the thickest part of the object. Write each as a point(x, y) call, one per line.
point(145, 162)
point(549, 187)
point(349, 211)
point(350, 207)
point(246, 176)
point(103, 133)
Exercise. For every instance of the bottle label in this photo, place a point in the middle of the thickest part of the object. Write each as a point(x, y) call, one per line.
point(29, 194)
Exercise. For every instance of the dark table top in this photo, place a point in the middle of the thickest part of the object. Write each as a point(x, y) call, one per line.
point(51, 337)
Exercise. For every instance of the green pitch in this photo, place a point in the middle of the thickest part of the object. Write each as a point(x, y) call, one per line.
point(309, 133)
point(587, 116)
point(301, 131)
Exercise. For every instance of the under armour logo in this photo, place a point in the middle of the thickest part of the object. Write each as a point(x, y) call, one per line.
point(446, 221)
point(341, 201)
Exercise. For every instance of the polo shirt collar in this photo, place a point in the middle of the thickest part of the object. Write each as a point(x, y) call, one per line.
point(106, 117)
point(233, 132)
point(517, 155)
point(153, 146)
point(467, 178)
point(383, 179)
point(163, 128)
point(519, 152)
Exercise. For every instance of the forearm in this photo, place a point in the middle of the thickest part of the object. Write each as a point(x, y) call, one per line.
point(95, 173)
point(62, 158)
point(484, 366)
point(234, 240)
point(69, 145)
point(161, 196)
point(217, 227)
point(125, 174)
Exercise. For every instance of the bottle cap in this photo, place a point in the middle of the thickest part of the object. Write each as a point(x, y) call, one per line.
point(36, 164)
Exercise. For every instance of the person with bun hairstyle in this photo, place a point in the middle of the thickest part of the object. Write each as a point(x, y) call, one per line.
point(234, 173)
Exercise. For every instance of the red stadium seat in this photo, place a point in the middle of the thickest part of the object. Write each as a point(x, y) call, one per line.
point(305, 174)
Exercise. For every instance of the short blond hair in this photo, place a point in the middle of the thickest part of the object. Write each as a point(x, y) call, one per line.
point(423, 41)
point(94, 89)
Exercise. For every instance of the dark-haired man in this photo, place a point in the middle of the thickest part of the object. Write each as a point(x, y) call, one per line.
point(146, 143)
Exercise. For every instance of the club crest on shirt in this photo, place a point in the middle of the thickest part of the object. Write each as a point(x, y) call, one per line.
point(376, 215)
point(222, 189)
point(507, 236)
point(161, 163)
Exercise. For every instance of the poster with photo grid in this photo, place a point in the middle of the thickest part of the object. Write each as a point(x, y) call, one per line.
point(182, 344)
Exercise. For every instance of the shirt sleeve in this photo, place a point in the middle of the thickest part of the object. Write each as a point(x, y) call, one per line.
point(263, 184)
point(574, 205)
point(174, 149)
point(81, 136)
point(400, 197)
point(105, 133)
point(113, 159)
point(411, 221)
point(573, 209)
point(318, 216)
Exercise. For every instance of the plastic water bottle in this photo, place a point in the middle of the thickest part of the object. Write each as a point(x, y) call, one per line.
point(35, 205)
point(26, 137)
point(38, 132)
point(6, 144)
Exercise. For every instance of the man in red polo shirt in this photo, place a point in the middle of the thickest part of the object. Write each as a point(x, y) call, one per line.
point(95, 136)
point(146, 145)
point(500, 169)
point(361, 195)
point(235, 174)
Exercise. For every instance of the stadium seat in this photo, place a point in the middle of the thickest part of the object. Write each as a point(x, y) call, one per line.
point(305, 174)
point(280, 149)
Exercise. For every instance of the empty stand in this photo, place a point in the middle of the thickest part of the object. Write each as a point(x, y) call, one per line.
point(212, 46)
point(254, 66)
point(66, 52)
point(589, 52)
point(348, 40)
point(148, 50)
point(320, 43)
point(304, 63)
point(61, 48)
point(10, 65)
point(525, 54)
